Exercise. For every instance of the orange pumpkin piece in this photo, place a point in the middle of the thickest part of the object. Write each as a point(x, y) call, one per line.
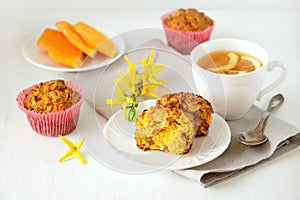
point(96, 39)
point(73, 37)
point(60, 49)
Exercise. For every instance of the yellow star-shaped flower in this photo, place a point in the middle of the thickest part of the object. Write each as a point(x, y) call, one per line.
point(133, 84)
point(150, 70)
point(74, 149)
point(148, 90)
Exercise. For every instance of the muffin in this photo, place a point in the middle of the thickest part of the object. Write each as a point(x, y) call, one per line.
point(201, 108)
point(186, 28)
point(52, 107)
point(172, 124)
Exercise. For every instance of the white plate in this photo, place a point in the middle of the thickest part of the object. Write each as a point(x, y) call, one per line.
point(119, 152)
point(38, 57)
point(120, 134)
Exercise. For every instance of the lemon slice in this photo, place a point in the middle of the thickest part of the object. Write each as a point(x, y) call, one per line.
point(256, 63)
point(233, 60)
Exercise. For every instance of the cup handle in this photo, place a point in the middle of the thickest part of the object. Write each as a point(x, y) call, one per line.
point(277, 82)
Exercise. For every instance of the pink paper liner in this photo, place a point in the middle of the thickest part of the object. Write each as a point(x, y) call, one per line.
point(55, 123)
point(182, 41)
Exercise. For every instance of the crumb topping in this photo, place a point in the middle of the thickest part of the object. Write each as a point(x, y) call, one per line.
point(51, 96)
point(188, 20)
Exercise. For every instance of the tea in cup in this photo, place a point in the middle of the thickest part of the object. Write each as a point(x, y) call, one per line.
point(229, 62)
point(231, 72)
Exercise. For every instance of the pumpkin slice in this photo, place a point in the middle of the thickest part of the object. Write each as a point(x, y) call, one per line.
point(60, 49)
point(96, 39)
point(73, 37)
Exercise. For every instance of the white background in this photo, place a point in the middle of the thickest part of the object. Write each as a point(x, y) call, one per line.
point(28, 162)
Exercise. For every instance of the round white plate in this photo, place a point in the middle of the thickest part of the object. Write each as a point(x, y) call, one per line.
point(38, 57)
point(113, 146)
point(120, 134)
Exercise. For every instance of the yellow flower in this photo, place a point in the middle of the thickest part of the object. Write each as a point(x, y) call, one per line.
point(131, 78)
point(128, 87)
point(147, 89)
point(119, 96)
point(74, 149)
point(131, 65)
point(150, 70)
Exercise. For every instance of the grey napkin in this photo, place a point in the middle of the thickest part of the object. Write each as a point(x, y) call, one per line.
point(236, 159)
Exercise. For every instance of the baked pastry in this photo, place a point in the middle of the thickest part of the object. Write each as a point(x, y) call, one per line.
point(52, 108)
point(172, 124)
point(188, 20)
point(51, 96)
point(186, 28)
point(191, 103)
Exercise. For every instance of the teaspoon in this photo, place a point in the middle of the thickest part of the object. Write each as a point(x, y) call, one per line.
point(257, 136)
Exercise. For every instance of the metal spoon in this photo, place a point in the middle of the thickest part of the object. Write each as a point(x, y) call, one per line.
point(257, 136)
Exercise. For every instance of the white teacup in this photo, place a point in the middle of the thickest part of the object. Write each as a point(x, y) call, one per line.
point(232, 95)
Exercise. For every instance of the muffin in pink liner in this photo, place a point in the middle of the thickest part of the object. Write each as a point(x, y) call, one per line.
point(46, 120)
point(187, 32)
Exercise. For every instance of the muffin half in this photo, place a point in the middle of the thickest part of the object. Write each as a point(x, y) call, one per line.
point(172, 124)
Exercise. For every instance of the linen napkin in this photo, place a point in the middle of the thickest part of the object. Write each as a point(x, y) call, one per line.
point(237, 159)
